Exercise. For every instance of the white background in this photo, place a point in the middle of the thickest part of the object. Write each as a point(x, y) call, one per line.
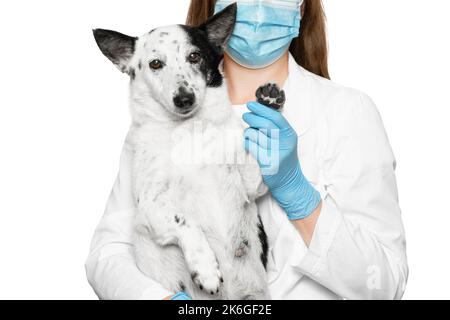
point(63, 118)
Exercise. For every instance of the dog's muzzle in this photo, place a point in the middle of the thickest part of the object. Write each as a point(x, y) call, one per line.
point(184, 100)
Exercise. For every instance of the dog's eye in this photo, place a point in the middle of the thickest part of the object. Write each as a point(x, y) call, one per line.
point(194, 58)
point(156, 64)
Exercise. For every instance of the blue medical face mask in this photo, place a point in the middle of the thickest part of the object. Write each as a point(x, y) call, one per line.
point(264, 30)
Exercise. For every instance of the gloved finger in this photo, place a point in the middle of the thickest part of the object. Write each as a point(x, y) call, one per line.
point(181, 296)
point(258, 136)
point(257, 122)
point(261, 154)
point(268, 113)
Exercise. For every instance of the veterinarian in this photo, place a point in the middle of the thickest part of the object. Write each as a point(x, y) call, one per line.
point(332, 218)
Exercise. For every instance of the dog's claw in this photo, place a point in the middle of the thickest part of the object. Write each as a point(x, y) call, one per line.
point(208, 280)
point(271, 96)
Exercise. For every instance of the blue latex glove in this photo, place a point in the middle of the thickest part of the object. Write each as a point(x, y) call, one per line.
point(273, 143)
point(181, 296)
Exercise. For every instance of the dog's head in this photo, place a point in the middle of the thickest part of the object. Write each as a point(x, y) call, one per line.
point(173, 65)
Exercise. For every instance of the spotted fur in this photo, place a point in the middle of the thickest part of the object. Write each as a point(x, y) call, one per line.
point(197, 226)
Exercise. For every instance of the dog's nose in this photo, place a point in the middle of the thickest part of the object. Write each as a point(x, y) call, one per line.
point(184, 99)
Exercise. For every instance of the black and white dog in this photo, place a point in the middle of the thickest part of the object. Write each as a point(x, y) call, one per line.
point(198, 228)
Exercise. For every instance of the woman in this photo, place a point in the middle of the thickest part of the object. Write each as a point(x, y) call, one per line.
point(332, 217)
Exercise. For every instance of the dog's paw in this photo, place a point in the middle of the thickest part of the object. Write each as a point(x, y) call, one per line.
point(271, 96)
point(208, 279)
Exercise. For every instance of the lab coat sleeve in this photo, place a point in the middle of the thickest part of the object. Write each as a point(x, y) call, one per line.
point(358, 249)
point(111, 268)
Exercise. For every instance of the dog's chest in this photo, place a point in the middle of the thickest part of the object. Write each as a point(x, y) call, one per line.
point(195, 155)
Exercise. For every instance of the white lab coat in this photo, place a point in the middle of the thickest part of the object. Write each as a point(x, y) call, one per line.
point(358, 248)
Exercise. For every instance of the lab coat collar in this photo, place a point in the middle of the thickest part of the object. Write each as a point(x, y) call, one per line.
point(298, 108)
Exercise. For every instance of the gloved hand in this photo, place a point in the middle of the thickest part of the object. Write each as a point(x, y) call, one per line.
point(180, 296)
point(273, 143)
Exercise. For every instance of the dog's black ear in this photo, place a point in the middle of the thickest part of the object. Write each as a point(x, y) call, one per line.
point(117, 47)
point(220, 26)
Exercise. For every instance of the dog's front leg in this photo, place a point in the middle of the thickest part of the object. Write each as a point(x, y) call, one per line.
point(200, 259)
point(169, 224)
point(252, 179)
